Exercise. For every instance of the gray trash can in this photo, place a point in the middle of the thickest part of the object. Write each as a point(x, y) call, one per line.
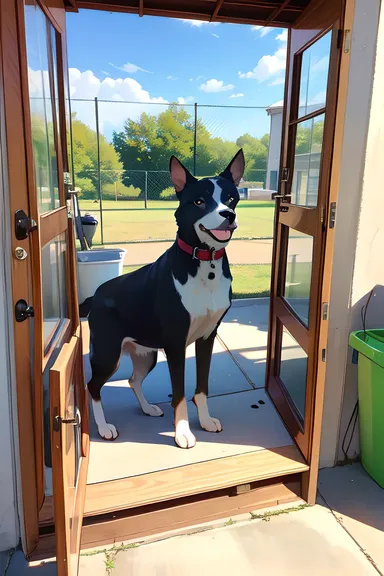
point(94, 267)
point(89, 224)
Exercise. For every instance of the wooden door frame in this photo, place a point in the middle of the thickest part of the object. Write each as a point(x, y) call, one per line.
point(23, 196)
point(16, 145)
point(346, 15)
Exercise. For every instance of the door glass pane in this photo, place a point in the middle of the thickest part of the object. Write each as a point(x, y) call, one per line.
point(41, 91)
point(53, 285)
point(293, 370)
point(306, 168)
point(314, 76)
point(299, 272)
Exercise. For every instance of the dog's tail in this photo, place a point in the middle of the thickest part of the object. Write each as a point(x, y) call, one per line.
point(85, 307)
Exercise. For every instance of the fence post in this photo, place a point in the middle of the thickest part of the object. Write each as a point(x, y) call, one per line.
point(146, 190)
point(99, 169)
point(195, 142)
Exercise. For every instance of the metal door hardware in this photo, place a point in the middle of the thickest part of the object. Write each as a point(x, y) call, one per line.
point(20, 253)
point(58, 420)
point(24, 225)
point(23, 311)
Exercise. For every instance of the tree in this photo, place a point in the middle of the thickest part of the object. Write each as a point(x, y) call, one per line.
point(84, 141)
point(148, 143)
point(309, 138)
point(256, 155)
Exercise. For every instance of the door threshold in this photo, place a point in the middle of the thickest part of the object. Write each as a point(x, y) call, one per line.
point(155, 487)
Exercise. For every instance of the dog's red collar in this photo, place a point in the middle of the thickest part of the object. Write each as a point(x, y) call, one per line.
point(198, 253)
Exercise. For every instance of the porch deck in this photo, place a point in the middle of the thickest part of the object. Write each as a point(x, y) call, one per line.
point(250, 421)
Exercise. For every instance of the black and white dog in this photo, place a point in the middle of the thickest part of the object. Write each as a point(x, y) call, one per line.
point(179, 299)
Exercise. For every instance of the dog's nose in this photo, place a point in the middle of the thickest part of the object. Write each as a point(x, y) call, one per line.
point(229, 215)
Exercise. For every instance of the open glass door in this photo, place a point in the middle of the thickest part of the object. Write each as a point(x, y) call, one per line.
point(301, 219)
point(60, 407)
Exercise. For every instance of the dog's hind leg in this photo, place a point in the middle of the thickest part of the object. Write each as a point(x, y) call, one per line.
point(143, 364)
point(103, 365)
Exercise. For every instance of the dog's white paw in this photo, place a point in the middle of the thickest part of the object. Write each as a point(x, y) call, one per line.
point(211, 424)
point(108, 432)
point(183, 435)
point(153, 410)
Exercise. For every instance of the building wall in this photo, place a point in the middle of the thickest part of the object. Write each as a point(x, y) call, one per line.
point(8, 507)
point(359, 234)
point(274, 146)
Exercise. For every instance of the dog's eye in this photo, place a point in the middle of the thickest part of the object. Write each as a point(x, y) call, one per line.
point(199, 202)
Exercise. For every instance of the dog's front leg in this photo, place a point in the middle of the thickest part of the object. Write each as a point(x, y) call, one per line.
point(203, 363)
point(176, 363)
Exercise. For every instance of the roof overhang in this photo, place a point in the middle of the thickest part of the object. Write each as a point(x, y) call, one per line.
point(274, 13)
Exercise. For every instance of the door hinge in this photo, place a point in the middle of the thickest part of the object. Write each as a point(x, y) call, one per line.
point(24, 225)
point(344, 35)
point(284, 174)
point(332, 215)
point(347, 41)
point(325, 310)
point(323, 354)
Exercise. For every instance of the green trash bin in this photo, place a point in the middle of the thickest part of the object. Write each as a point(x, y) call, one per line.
point(370, 345)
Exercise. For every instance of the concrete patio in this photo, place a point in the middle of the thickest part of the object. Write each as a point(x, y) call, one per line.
point(341, 536)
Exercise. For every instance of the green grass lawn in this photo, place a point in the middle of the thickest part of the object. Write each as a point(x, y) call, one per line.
point(249, 281)
point(128, 221)
point(253, 280)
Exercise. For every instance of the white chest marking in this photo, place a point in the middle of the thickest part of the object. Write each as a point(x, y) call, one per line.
point(205, 300)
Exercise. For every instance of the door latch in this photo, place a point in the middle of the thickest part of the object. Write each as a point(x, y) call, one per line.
point(58, 420)
point(23, 311)
point(24, 225)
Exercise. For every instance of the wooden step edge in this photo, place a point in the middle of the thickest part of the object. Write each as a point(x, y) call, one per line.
point(155, 487)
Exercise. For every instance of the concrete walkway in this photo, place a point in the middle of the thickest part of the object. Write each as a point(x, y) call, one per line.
point(343, 535)
point(239, 251)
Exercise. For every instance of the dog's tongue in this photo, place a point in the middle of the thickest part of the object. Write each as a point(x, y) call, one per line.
point(221, 234)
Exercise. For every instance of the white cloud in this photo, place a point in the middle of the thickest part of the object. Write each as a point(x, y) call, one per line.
point(199, 23)
point(216, 35)
point(239, 95)
point(283, 36)
point(187, 100)
point(264, 30)
point(277, 81)
point(214, 85)
point(130, 68)
point(270, 66)
point(86, 85)
point(170, 77)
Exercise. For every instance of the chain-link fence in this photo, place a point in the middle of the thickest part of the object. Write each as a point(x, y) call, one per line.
point(121, 154)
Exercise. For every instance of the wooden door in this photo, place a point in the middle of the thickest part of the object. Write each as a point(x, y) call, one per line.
point(60, 408)
point(70, 447)
point(302, 217)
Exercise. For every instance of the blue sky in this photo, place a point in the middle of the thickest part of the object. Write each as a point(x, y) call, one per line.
point(124, 57)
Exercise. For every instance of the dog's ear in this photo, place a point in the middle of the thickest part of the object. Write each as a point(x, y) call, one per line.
point(180, 176)
point(235, 169)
